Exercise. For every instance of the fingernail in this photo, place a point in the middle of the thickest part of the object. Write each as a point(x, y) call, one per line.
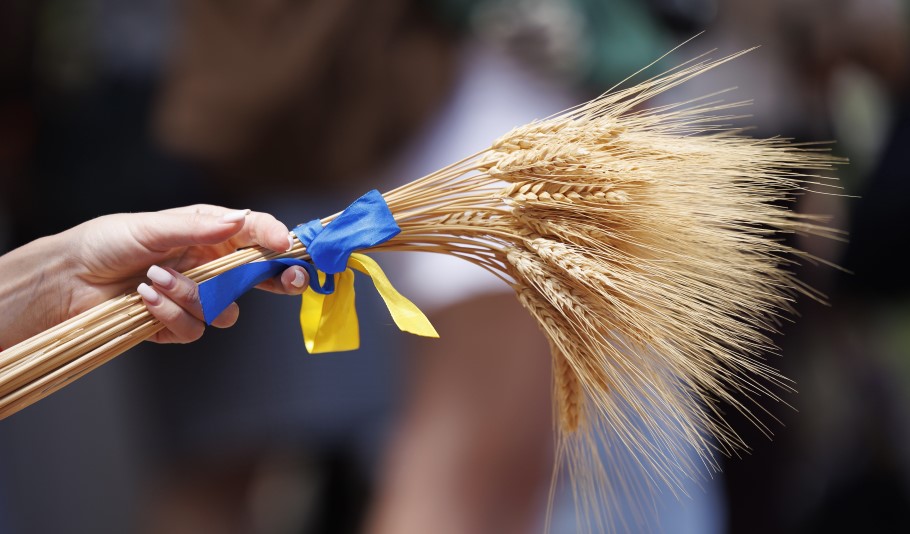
point(290, 242)
point(161, 277)
point(299, 279)
point(234, 216)
point(150, 295)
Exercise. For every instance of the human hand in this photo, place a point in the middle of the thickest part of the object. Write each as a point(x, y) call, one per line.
point(58, 277)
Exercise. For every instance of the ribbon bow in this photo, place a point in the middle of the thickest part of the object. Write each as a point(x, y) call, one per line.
point(328, 317)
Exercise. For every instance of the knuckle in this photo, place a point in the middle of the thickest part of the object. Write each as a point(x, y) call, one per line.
point(201, 208)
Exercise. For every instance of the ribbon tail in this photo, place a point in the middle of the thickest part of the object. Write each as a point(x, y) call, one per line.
point(329, 322)
point(406, 315)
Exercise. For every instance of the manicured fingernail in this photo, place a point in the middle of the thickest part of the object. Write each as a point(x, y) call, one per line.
point(161, 277)
point(234, 216)
point(290, 242)
point(150, 295)
point(299, 279)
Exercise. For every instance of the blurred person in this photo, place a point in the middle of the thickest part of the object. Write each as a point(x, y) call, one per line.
point(472, 448)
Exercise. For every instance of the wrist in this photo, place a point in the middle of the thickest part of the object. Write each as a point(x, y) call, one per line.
point(33, 294)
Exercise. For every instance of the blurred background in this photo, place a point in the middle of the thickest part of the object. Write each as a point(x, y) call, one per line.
point(296, 107)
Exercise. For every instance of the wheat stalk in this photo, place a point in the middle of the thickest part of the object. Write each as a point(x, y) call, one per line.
point(646, 243)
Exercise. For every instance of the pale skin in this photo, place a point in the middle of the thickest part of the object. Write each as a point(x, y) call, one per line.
point(57, 277)
point(473, 450)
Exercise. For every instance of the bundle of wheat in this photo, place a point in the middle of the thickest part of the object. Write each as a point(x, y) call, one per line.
point(646, 243)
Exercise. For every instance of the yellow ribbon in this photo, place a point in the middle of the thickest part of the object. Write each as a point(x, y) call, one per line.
point(329, 322)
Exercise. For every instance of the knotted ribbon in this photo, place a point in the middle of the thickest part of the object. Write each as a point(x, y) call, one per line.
point(328, 317)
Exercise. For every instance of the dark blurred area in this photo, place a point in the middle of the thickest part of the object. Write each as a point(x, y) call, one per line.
point(296, 108)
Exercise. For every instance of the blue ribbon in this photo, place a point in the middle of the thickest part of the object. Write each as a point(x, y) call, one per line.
point(366, 223)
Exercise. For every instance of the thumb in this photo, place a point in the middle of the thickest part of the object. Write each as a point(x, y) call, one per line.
point(163, 231)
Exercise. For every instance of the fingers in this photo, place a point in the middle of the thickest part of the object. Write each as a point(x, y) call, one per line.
point(293, 281)
point(163, 231)
point(179, 325)
point(257, 229)
point(173, 299)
